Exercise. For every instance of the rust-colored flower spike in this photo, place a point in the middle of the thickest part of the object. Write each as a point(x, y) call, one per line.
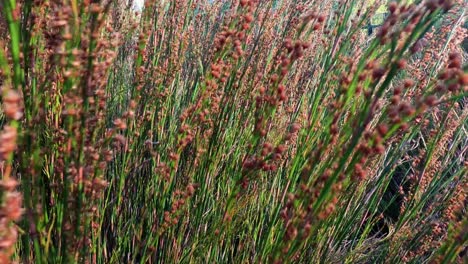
point(12, 104)
point(11, 207)
point(9, 184)
point(7, 141)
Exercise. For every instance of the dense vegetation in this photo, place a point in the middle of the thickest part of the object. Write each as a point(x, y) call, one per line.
point(233, 131)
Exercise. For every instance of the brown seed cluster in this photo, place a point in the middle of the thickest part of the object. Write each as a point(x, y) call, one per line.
point(12, 104)
point(10, 211)
point(11, 207)
point(323, 113)
point(171, 217)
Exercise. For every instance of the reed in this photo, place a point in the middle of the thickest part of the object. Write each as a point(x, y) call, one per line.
point(232, 132)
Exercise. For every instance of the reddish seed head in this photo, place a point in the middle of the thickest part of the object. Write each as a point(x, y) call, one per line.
point(100, 183)
point(11, 104)
point(359, 172)
point(215, 67)
point(432, 5)
point(307, 228)
point(216, 74)
point(382, 129)
point(440, 87)
point(362, 77)
point(453, 87)
point(444, 75)
point(364, 149)
point(277, 156)
point(283, 97)
point(404, 126)
point(248, 18)
point(392, 7)
point(288, 44)
point(280, 149)
point(67, 36)
point(298, 49)
point(358, 89)
point(267, 146)
point(95, 8)
point(13, 202)
point(370, 65)
point(8, 184)
point(321, 18)
point(281, 88)
point(408, 83)
point(398, 90)
point(248, 164)
point(346, 80)
point(456, 63)
point(431, 100)
point(383, 31)
point(392, 112)
point(401, 64)
point(454, 56)
point(363, 160)
point(305, 45)
point(463, 79)
point(334, 129)
point(378, 73)
point(377, 139)
point(261, 90)
point(379, 149)
point(273, 167)
point(396, 120)
point(446, 5)
point(190, 189)
point(274, 78)
point(11, 96)
point(409, 28)
point(417, 46)
point(295, 127)
point(119, 123)
point(403, 106)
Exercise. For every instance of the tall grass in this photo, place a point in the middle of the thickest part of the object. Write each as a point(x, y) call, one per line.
point(233, 132)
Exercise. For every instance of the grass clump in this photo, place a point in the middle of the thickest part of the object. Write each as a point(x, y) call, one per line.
point(232, 132)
